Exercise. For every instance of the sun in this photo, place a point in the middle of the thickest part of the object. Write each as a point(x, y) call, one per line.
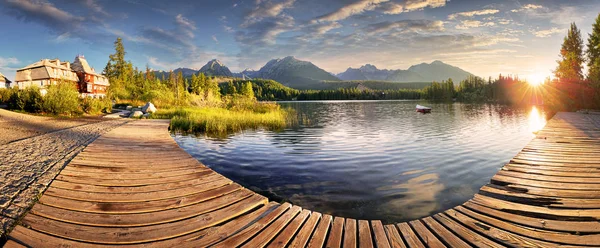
point(536, 79)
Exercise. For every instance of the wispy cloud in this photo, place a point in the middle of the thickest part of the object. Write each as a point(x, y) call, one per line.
point(44, 13)
point(527, 7)
point(546, 32)
point(468, 24)
point(266, 9)
point(473, 13)
point(214, 38)
point(350, 10)
point(406, 25)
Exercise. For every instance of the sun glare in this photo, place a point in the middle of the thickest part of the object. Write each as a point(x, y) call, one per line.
point(536, 79)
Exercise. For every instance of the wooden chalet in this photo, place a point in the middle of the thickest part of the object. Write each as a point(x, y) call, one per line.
point(91, 83)
point(45, 72)
point(4, 82)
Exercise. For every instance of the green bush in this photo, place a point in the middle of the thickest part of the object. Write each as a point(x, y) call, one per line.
point(5, 95)
point(16, 100)
point(96, 106)
point(61, 99)
point(33, 99)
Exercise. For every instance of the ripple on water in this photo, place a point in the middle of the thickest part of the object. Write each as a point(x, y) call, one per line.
point(372, 160)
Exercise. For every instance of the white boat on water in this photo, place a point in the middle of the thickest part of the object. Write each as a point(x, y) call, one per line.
point(423, 109)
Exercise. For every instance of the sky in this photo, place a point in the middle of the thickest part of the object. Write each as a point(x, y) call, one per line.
point(484, 37)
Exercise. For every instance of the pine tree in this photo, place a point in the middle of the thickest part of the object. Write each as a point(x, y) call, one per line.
point(570, 66)
point(117, 67)
point(247, 90)
point(593, 55)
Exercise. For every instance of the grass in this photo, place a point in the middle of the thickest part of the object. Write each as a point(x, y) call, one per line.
point(219, 122)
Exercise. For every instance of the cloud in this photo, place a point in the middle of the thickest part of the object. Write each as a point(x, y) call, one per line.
point(264, 10)
point(412, 5)
point(473, 13)
point(350, 10)
point(8, 61)
point(44, 13)
point(393, 8)
point(265, 32)
point(527, 7)
point(406, 25)
point(468, 24)
point(214, 38)
point(94, 6)
point(179, 40)
point(546, 33)
point(184, 22)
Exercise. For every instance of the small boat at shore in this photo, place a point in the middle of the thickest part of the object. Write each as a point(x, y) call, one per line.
point(423, 109)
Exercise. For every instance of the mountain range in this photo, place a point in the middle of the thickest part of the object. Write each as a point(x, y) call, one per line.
point(435, 71)
point(299, 74)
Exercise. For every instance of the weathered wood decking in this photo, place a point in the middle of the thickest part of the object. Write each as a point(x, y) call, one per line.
point(135, 187)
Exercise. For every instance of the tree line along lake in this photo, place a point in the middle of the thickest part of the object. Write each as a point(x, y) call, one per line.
point(373, 159)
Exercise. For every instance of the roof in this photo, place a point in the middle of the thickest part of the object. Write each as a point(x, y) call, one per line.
point(81, 65)
point(54, 63)
point(4, 78)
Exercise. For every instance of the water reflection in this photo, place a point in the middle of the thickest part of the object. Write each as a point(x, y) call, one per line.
point(374, 160)
point(537, 119)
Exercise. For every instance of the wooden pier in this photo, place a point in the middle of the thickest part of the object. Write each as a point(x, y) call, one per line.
point(134, 187)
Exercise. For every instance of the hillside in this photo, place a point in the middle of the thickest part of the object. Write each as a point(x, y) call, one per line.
point(436, 71)
point(295, 73)
point(215, 68)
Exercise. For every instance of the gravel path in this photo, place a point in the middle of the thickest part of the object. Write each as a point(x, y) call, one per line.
point(16, 126)
point(28, 165)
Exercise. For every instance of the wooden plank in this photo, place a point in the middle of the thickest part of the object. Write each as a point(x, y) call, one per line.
point(13, 244)
point(466, 234)
point(537, 222)
point(365, 240)
point(136, 207)
point(350, 233)
point(381, 240)
point(445, 234)
point(110, 182)
point(510, 194)
point(335, 236)
point(135, 197)
point(318, 237)
point(394, 236)
point(130, 175)
point(129, 235)
point(142, 219)
point(215, 234)
point(37, 239)
point(266, 235)
point(248, 232)
point(75, 187)
point(545, 184)
point(290, 230)
point(426, 236)
point(555, 213)
point(591, 181)
point(407, 233)
point(301, 239)
point(541, 191)
point(549, 236)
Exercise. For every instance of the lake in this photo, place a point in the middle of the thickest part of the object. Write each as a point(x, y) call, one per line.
point(373, 159)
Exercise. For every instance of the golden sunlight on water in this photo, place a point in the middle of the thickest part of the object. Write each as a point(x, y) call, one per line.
point(537, 119)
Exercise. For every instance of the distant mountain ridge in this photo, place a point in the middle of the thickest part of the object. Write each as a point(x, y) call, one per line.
point(435, 71)
point(299, 74)
point(295, 73)
point(215, 68)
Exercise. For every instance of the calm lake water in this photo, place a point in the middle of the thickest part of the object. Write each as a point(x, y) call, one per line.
point(374, 159)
